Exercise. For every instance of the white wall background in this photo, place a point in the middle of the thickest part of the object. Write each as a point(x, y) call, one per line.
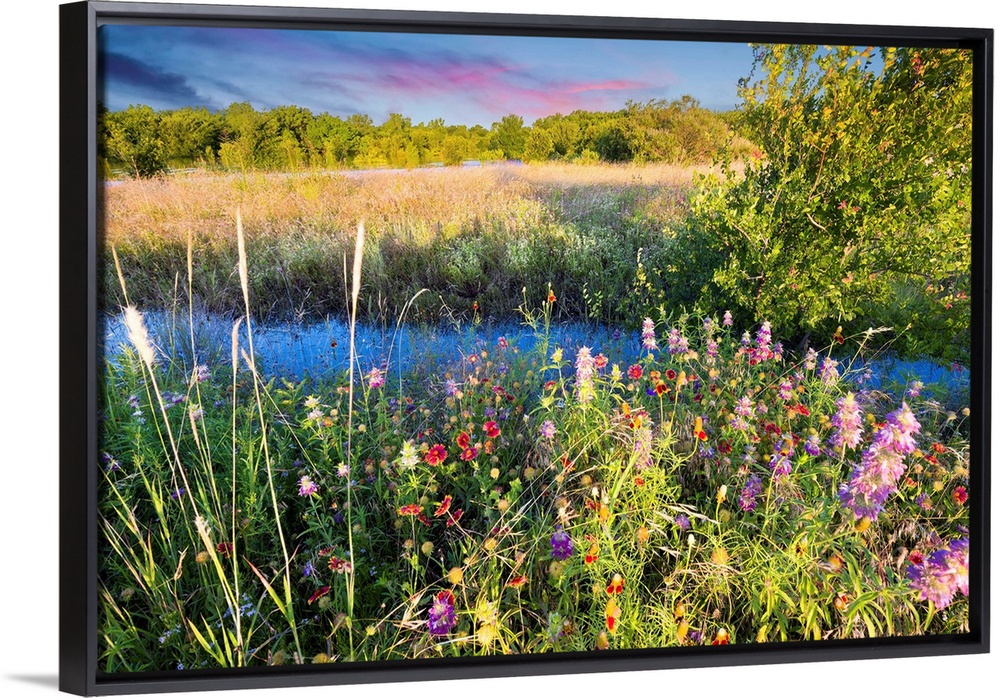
point(29, 389)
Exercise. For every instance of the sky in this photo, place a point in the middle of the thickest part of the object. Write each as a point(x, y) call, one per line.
point(462, 79)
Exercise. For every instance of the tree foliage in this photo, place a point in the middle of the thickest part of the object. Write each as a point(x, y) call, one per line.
point(854, 209)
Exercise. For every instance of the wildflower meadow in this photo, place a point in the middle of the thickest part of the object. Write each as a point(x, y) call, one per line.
point(609, 406)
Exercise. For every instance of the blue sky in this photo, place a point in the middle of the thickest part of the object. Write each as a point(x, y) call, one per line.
point(463, 79)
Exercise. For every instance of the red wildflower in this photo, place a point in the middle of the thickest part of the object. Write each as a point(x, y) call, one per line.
point(517, 582)
point(443, 507)
point(591, 555)
point(661, 388)
point(424, 519)
point(959, 495)
point(436, 455)
point(552, 297)
point(600, 362)
point(639, 481)
point(721, 637)
point(550, 384)
point(224, 548)
point(939, 448)
point(617, 585)
point(491, 429)
point(671, 375)
point(318, 593)
point(916, 558)
point(635, 372)
point(469, 454)
point(454, 517)
point(410, 509)
point(725, 447)
point(463, 439)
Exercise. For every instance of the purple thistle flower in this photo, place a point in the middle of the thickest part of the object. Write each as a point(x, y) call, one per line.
point(441, 616)
point(751, 491)
point(847, 421)
point(648, 334)
point(562, 544)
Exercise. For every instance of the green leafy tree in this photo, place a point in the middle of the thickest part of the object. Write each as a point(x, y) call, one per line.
point(854, 207)
point(509, 135)
point(131, 137)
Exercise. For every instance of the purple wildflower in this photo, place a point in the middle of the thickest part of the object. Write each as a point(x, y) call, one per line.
point(708, 324)
point(941, 575)
point(712, 351)
point(763, 350)
point(828, 371)
point(562, 544)
point(648, 334)
point(201, 373)
point(781, 458)
point(751, 491)
point(727, 318)
point(676, 342)
point(584, 374)
point(548, 429)
point(809, 362)
point(375, 378)
point(744, 407)
point(924, 501)
point(847, 421)
point(915, 388)
point(441, 616)
point(874, 480)
point(308, 569)
point(785, 389)
point(307, 487)
point(450, 387)
point(811, 445)
point(683, 522)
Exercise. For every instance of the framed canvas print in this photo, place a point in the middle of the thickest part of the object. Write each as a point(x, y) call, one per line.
point(420, 345)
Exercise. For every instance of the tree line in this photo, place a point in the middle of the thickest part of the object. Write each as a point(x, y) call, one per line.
point(145, 142)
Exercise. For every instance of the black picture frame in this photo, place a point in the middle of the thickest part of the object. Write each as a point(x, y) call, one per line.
point(79, 328)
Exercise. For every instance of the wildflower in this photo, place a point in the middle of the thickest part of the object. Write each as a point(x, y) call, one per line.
point(318, 593)
point(469, 454)
point(781, 458)
point(502, 342)
point(453, 518)
point(410, 509)
point(548, 429)
point(612, 612)
point(712, 351)
point(196, 412)
point(177, 494)
point(491, 429)
point(375, 378)
point(201, 373)
point(441, 616)
point(744, 406)
point(552, 297)
point(307, 487)
point(941, 575)
point(809, 362)
point(847, 421)
point(343, 471)
point(463, 440)
point(683, 522)
point(721, 637)
point(436, 455)
point(224, 548)
point(785, 389)
point(727, 318)
point(915, 388)
point(648, 334)
point(763, 350)
point(562, 544)
point(617, 585)
point(677, 344)
point(592, 554)
point(751, 491)
point(642, 534)
point(408, 456)
point(874, 480)
point(340, 566)
point(720, 495)
point(959, 495)
point(811, 445)
point(828, 371)
point(450, 387)
point(699, 431)
point(924, 501)
point(517, 582)
point(443, 507)
point(308, 569)
point(584, 375)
